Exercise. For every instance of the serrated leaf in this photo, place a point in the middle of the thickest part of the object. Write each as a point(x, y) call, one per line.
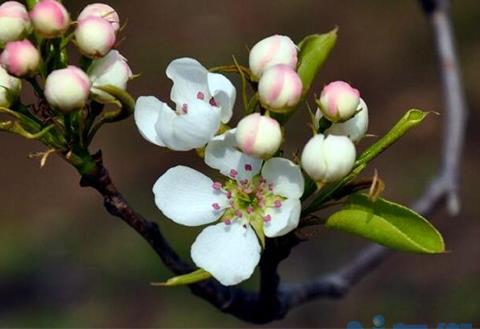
point(181, 280)
point(387, 223)
point(314, 50)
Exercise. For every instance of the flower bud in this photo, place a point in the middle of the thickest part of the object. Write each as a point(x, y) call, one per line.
point(328, 159)
point(354, 128)
point(109, 70)
point(10, 88)
point(14, 22)
point(21, 58)
point(279, 87)
point(258, 135)
point(277, 49)
point(338, 101)
point(101, 10)
point(67, 89)
point(50, 18)
point(95, 36)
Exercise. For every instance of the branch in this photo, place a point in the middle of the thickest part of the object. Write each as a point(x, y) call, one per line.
point(443, 188)
point(274, 300)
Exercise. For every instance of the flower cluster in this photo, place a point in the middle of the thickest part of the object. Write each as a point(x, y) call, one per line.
point(259, 196)
point(34, 44)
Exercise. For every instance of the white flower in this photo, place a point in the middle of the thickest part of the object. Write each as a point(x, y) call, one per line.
point(258, 135)
point(50, 18)
point(10, 88)
point(202, 100)
point(112, 70)
point(338, 101)
point(354, 128)
point(95, 36)
point(253, 197)
point(101, 10)
point(279, 87)
point(14, 22)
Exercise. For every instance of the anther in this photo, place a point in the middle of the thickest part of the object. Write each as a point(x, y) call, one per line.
point(217, 186)
point(200, 95)
point(278, 204)
point(267, 218)
point(216, 206)
point(233, 173)
point(248, 167)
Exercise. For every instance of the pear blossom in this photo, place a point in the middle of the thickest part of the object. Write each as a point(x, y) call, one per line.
point(95, 36)
point(338, 101)
point(14, 22)
point(101, 10)
point(256, 199)
point(21, 58)
point(112, 70)
point(10, 88)
point(202, 101)
point(354, 128)
point(50, 18)
point(279, 87)
point(258, 135)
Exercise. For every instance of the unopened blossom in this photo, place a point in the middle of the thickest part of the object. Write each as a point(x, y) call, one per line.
point(279, 87)
point(254, 197)
point(50, 19)
point(354, 128)
point(21, 58)
point(339, 101)
point(328, 159)
point(111, 70)
point(258, 135)
point(101, 10)
point(67, 89)
point(9, 88)
point(274, 50)
point(14, 22)
point(95, 36)
point(202, 101)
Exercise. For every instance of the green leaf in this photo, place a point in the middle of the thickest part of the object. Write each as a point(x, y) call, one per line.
point(314, 50)
point(181, 280)
point(389, 224)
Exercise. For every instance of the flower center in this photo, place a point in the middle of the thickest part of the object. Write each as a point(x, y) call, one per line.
point(249, 200)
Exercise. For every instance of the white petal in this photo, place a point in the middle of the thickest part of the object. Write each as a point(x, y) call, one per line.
point(286, 177)
point(192, 129)
point(189, 78)
point(284, 219)
point(186, 196)
point(224, 93)
point(222, 154)
point(148, 111)
point(229, 252)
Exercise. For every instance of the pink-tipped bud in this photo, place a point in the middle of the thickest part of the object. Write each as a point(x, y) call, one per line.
point(328, 159)
point(95, 36)
point(274, 50)
point(279, 88)
point(258, 135)
point(67, 89)
point(14, 22)
point(339, 101)
point(109, 70)
point(10, 88)
point(50, 18)
point(101, 10)
point(21, 58)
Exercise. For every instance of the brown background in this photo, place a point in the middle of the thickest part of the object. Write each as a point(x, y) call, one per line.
point(64, 262)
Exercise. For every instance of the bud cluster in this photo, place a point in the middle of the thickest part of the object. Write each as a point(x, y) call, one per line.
point(66, 87)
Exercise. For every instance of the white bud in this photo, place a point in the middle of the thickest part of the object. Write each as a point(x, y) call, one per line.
point(95, 36)
point(21, 58)
point(14, 22)
point(10, 88)
point(50, 18)
point(67, 89)
point(277, 49)
point(279, 87)
point(338, 101)
point(354, 128)
point(328, 159)
point(258, 135)
point(109, 70)
point(101, 10)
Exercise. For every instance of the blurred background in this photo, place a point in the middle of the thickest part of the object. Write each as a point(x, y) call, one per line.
point(64, 262)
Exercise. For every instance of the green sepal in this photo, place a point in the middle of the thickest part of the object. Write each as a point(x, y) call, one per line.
point(387, 223)
point(257, 225)
point(185, 279)
point(126, 102)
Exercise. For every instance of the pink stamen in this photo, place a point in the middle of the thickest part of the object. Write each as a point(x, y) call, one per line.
point(185, 108)
point(270, 187)
point(267, 218)
point(244, 181)
point(228, 222)
point(233, 173)
point(238, 213)
point(248, 167)
point(217, 186)
point(216, 206)
point(278, 204)
point(213, 102)
point(249, 210)
point(200, 95)
point(229, 195)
